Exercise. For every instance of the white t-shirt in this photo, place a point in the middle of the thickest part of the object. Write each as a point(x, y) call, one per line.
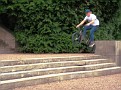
point(92, 17)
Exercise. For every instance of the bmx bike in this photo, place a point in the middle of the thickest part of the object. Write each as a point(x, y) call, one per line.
point(77, 41)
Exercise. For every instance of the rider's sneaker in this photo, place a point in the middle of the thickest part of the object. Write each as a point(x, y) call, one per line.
point(76, 39)
point(91, 44)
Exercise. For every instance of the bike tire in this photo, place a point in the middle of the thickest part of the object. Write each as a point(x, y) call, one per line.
point(76, 38)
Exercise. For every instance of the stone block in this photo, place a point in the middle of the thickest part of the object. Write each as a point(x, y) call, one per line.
point(110, 50)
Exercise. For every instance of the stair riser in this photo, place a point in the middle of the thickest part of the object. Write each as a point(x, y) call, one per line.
point(40, 66)
point(39, 73)
point(10, 86)
point(98, 62)
point(99, 67)
point(49, 65)
point(32, 61)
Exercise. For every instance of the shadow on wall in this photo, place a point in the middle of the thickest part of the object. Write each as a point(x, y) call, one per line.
point(7, 40)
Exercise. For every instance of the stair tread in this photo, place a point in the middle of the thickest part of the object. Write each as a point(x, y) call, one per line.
point(57, 68)
point(58, 57)
point(94, 60)
point(54, 75)
point(47, 59)
point(44, 60)
point(40, 63)
point(54, 63)
point(29, 59)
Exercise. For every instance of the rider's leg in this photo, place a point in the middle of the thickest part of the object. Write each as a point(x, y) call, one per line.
point(85, 30)
point(94, 28)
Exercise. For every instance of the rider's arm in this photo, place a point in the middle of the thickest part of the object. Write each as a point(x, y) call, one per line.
point(82, 22)
point(91, 22)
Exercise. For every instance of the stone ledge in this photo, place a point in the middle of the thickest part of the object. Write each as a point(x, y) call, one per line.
point(110, 50)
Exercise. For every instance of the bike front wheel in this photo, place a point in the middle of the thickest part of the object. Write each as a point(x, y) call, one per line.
point(76, 38)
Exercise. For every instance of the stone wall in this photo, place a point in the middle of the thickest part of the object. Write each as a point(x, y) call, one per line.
point(7, 41)
point(110, 50)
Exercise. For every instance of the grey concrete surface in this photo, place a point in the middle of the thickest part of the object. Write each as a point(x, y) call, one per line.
point(110, 50)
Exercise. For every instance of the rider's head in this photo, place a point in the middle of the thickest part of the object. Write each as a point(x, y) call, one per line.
point(88, 12)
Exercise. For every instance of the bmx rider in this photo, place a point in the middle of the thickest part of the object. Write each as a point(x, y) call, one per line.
point(92, 26)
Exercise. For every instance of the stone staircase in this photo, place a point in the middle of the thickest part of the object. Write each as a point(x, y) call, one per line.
point(20, 73)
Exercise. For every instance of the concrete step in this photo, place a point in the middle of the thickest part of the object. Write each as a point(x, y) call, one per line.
point(15, 83)
point(40, 66)
point(97, 61)
point(50, 65)
point(45, 60)
point(38, 72)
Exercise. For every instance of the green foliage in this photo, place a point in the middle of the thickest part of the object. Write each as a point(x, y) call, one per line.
point(44, 26)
